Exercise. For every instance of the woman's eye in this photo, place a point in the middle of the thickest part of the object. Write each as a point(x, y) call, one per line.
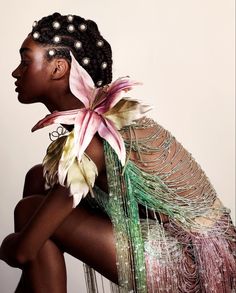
point(24, 62)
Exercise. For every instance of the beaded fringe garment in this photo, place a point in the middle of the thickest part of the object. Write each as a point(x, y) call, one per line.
point(172, 232)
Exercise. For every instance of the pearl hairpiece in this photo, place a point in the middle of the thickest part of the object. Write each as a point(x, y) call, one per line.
point(56, 39)
point(100, 43)
point(82, 27)
point(70, 28)
point(35, 23)
point(85, 61)
point(77, 44)
point(56, 25)
point(51, 52)
point(70, 18)
point(36, 35)
point(99, 83)
point(104, 65)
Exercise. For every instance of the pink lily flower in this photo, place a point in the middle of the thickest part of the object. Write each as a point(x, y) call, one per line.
point(105, 111)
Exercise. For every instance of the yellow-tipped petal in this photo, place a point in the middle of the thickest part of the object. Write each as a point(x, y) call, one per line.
point(75, 180)
point(125, 112)
point(81, 178)
point(51, 160)
point(67, 157)
point(89, 170)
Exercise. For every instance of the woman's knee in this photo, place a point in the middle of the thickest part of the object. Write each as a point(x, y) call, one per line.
point(24, 209)
point(34, 181)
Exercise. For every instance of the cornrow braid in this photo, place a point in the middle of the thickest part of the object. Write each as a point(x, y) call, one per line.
point(65, 33)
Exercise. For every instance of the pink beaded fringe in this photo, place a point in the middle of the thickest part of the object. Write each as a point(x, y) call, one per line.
point(194, 263)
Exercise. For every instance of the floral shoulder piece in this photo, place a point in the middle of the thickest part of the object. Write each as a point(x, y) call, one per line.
point(106, 110)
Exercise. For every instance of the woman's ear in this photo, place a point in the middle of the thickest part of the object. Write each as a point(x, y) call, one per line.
point(60, 68)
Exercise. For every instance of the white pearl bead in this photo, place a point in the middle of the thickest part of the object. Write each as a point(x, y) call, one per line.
point(82, 27)
point(85, 60)
point(104, 65)
point(99, 83)
point(78, 44)
point(36, 35)
point(51, 52)
point(56, 39)
point(35, 23)
point(70, 18)
point(56, 25)
point(100, 43)
point(70, 28)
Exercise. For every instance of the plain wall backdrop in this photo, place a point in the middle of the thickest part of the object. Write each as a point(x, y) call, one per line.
point(182, 51)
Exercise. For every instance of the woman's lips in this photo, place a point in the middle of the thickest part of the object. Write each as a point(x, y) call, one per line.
point(17, 87)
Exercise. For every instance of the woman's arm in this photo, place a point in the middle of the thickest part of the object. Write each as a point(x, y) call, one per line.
point(19, 248)
point(55, 208)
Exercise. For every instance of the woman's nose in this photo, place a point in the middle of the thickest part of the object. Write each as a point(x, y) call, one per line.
point(16, 73)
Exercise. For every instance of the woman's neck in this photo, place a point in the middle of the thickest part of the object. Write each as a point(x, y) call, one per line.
point(64, 103)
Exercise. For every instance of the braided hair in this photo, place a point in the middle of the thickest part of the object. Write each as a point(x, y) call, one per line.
point(65, 33)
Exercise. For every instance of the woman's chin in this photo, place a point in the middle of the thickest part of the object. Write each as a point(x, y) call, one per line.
point(24, 100)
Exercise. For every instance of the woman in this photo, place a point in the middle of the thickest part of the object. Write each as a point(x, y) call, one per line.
point(117, 191)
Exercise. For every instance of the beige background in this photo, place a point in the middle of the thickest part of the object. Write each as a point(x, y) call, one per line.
point(183, 52)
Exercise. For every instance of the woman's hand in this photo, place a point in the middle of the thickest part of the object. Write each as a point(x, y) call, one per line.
point(8, 250)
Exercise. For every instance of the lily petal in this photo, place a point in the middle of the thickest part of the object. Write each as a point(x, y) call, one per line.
point(81, 83)
point(86, 125)
point(81, 177)
point(115, 93)
point(108, 131)
point(67, 158)
point(51, 160)
point(125, 112)
point(75, 180)
point(64, 117)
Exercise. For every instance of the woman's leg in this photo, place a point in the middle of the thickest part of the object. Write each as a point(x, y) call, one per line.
point(48, 271)
point(85, 234)
point(34, 181)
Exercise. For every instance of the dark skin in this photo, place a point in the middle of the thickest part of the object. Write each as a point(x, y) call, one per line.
point(39, 240)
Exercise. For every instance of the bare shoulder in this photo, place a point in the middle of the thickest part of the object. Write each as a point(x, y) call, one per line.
point(95, 151)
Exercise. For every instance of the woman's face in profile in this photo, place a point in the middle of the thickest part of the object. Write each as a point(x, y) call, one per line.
point(33, 73)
